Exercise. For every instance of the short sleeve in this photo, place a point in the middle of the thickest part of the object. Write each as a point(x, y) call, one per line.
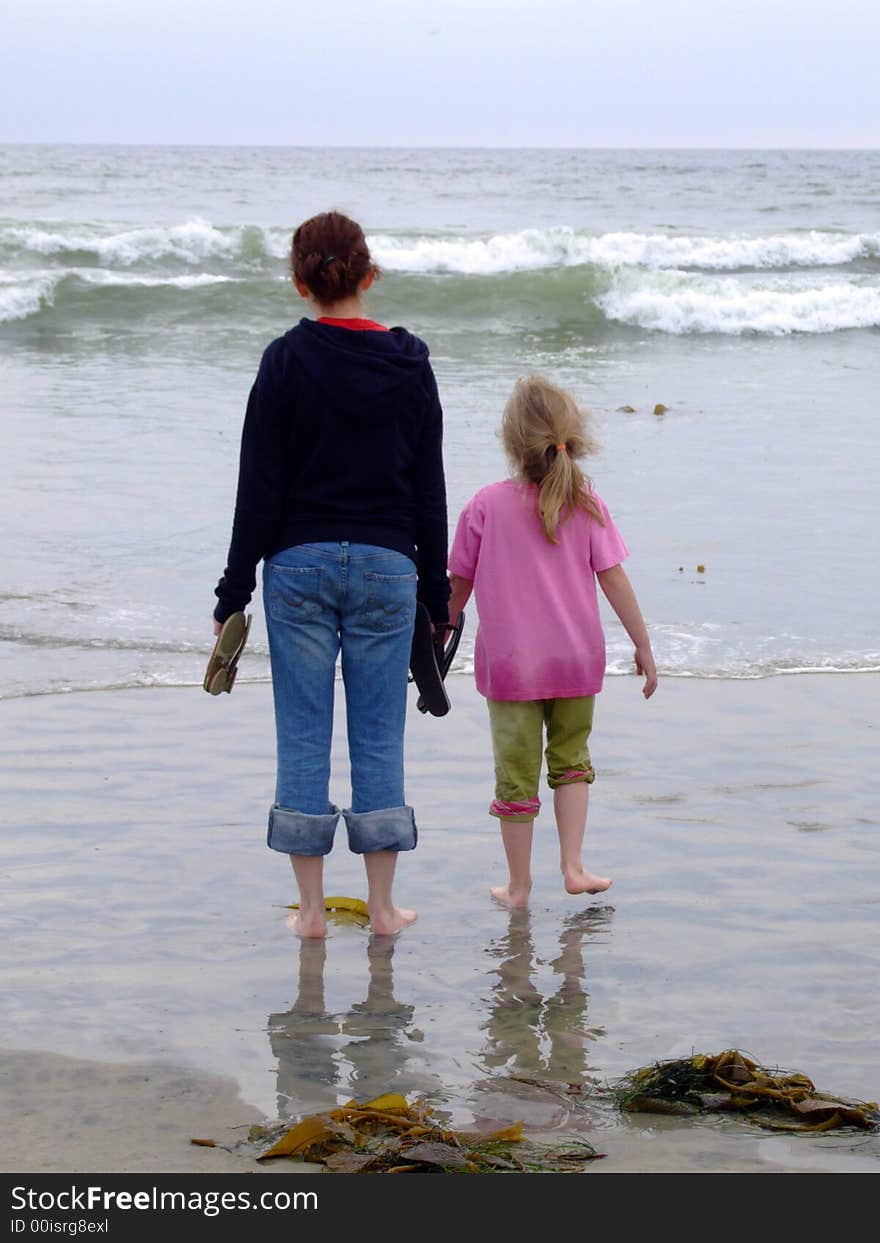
point(465, 550)
point(607, 546)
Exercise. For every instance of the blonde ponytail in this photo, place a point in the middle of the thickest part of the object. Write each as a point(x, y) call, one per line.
point(544, 432)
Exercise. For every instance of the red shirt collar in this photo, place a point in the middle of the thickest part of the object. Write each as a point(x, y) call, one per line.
point(359, 325)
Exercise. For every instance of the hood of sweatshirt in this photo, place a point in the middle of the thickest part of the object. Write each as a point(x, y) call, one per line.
point(373, 372)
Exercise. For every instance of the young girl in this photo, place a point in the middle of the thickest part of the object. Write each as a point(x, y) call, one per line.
point(532, 547)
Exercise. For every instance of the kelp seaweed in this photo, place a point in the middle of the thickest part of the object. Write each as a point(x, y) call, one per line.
point(732, 1082)
point(343, 910)
point(388, 1135)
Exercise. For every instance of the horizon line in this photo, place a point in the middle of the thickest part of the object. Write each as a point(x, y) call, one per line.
point(278, 146)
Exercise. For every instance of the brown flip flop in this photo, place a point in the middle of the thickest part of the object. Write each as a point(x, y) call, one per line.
point(223, 662)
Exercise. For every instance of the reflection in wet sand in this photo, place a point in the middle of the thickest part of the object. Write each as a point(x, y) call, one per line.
point(530, 1036)
point(303, 1039)
point(377, 1048)
point(325, 1058)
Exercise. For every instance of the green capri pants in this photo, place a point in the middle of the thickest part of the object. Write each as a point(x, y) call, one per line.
point(517, 737)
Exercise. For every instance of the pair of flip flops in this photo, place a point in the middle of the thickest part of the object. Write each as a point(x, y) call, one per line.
point(223, 662)
point(433, 650)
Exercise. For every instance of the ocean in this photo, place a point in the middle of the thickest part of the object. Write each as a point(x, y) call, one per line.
point(740, 290)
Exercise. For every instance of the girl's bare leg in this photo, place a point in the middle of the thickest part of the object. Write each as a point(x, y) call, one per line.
point(309, 920)
point(570, 806)
point(517, 838)
point(385, 917)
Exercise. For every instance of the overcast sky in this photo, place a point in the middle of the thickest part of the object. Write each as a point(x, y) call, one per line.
point(582, 73)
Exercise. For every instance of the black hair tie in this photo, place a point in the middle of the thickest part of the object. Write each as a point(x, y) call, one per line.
point(325, 263)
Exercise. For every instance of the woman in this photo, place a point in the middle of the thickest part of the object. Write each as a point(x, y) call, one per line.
point(341, 492)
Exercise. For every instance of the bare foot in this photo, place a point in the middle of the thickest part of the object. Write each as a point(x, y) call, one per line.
point(312, 925)
point(388, 922)
point(582, 881)
point(513, 899)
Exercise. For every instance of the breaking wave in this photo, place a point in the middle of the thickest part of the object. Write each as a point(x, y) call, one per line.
point(680, 304)
point(532, 249)
point(800, 281)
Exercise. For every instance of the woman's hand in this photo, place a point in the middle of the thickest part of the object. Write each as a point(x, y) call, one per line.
point(218, 626)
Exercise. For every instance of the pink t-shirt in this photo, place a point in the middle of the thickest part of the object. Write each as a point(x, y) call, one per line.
point(540, 634)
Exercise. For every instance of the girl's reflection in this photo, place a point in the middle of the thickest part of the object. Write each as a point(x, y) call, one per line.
point(534, 1036)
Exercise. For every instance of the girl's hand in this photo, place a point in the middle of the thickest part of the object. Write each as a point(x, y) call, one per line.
point(460, 593)
point(218, 626)
point(645, 668)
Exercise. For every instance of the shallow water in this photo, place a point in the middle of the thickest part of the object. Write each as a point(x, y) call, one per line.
point(144, 916)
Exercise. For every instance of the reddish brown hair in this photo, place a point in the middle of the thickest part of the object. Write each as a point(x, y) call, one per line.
point(329, 254)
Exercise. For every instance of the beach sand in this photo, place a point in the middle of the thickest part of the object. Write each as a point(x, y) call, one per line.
point(153, 992)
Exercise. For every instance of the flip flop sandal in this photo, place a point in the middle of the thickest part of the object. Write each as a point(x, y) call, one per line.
point(223, 662)
point(430, 661)
point(449, 646)
point(424, 667)
point(444, 650)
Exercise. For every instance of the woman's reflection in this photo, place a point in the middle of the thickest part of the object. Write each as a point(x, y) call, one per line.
point(377, 1048)
point(361, 1053)
point(305, 1040)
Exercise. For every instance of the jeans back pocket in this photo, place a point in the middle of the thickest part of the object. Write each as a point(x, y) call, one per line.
point(295, 592)
point(389, 600)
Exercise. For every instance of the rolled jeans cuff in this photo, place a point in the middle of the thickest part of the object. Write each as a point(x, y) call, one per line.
point(392, 828)
point(298, 833)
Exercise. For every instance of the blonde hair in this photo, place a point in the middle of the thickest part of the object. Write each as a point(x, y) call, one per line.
point(544, 431)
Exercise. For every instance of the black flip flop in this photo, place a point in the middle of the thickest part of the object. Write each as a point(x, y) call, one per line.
point(430, 661)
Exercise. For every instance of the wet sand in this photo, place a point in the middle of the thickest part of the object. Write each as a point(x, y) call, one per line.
point(153, 993)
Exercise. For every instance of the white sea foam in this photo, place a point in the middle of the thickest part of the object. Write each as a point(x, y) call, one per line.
point(532, 249)
point(680, 304)
point(505, 252)
point(24, 296)
point(130, 280)
point(812, 249)
point(198, 241)
point(192, 242)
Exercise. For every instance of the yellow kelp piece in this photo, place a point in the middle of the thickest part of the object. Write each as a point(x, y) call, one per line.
point(312, 1130)
point(390, 1103)
point(344, 910)
point(357, 906)
point(507, 1135)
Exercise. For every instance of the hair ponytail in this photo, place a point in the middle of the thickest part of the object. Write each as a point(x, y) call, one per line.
point(544, 432)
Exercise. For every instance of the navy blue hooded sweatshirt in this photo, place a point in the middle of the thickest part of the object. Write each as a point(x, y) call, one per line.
point(342, 440)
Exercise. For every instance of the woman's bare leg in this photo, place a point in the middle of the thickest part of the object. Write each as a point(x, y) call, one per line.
point(385, 917)
point(309, 920)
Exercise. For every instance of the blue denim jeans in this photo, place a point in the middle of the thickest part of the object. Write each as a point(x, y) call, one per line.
point(321, 599)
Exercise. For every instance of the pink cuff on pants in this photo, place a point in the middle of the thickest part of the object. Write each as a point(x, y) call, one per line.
point(515, 811)
point(570, 777)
